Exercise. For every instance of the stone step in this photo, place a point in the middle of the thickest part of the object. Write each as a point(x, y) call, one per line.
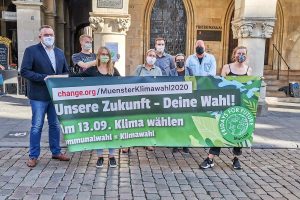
point(273, 87)
point(282, 72)
point(275, 94)
point(270, 82)
point(283, 99)
point(284, 77)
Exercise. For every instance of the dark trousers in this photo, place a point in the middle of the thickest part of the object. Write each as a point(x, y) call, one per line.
point(216, 151)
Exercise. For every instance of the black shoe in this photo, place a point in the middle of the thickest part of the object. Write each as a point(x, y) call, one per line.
point(185, 150)
point(112, 162)
point(207, 163)
point(99, 163)
point(236, 163)
point(175, 150)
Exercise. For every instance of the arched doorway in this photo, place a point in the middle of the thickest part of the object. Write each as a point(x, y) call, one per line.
point(168, 20)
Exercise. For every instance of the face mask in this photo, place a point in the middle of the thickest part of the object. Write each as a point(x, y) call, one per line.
point(48, 41)
point(104, 59)
point(180, 64)
point(241, 58)
point(160, 48)
point(87, 46)
point(150, 60)
point(199, 50)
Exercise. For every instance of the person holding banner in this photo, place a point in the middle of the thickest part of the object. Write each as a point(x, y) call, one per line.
point(147, 69)
point(202, 63)
point(104, 67)
point(181, 70)
point(40, 61)
point(237, 68)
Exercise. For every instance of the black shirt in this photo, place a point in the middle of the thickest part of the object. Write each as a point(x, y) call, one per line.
point(93, 71)
point(200, 60)
point(182, 73)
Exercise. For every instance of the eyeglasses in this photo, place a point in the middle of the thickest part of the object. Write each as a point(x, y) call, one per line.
point(160, 44)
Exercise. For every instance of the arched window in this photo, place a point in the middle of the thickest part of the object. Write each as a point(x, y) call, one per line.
point(168, 20)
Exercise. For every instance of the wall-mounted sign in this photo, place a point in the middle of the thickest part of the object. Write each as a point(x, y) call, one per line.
point(208, 27)
point(113, 48)
point(10, 16)
point(116, 4)
point(209, 35)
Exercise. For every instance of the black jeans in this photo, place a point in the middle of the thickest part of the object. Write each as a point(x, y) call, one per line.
point(216, 151)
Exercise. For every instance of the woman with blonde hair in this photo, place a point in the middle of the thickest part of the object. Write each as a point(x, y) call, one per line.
point(104, 67)
point(238, 67)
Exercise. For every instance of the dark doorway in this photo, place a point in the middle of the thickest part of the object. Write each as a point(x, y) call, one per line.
point(232, 42)
point(79, 18)
point(168, 20)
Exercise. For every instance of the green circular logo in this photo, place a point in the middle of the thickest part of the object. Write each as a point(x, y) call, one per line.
point(236, 124)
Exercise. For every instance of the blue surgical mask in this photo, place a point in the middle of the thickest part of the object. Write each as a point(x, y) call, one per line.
point(241, 58)
point(48, 41)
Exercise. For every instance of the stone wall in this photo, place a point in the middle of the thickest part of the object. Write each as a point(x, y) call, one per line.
point(206, 13)
point(291, 33)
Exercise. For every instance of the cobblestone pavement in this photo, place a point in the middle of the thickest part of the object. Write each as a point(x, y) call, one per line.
point(266, 174)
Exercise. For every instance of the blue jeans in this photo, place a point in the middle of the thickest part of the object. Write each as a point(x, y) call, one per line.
point(100, 152)
point(39, 110)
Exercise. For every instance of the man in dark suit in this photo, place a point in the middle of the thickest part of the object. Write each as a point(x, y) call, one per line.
point(39, 61)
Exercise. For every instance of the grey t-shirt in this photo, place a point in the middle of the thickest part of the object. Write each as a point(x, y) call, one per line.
point(77, 57)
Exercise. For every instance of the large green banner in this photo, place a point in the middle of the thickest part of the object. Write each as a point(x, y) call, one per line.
point(114, 112)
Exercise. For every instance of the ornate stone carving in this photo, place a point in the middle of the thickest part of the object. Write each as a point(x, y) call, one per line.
point(253, 28)
point(243, 30)
point(96, 23)
point(123, 24)
point(267, 30)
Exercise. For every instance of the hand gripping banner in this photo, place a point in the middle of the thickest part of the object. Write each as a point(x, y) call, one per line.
point(117, 112)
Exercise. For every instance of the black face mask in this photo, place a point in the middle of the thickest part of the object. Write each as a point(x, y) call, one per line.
point(180, 64)
point(199, 50)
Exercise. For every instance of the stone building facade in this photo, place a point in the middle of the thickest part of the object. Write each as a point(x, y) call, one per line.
point(279, 20)
point(268, 28)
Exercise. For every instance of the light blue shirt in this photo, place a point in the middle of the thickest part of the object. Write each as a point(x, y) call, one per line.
point(208, 66)
point(51, 55)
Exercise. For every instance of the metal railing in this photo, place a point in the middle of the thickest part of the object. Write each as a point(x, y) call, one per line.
point(280, 57)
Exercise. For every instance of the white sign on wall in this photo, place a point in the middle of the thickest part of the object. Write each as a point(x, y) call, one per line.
point(11, 16)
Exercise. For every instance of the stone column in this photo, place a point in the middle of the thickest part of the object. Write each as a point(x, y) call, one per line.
point(60, 25)
point(110, 21)
point(253, 23)
point(29, 20)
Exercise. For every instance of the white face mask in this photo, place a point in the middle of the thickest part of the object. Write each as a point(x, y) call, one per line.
point(87, 46)
point(160, 48)
point(150, 60)
point(48, 41)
